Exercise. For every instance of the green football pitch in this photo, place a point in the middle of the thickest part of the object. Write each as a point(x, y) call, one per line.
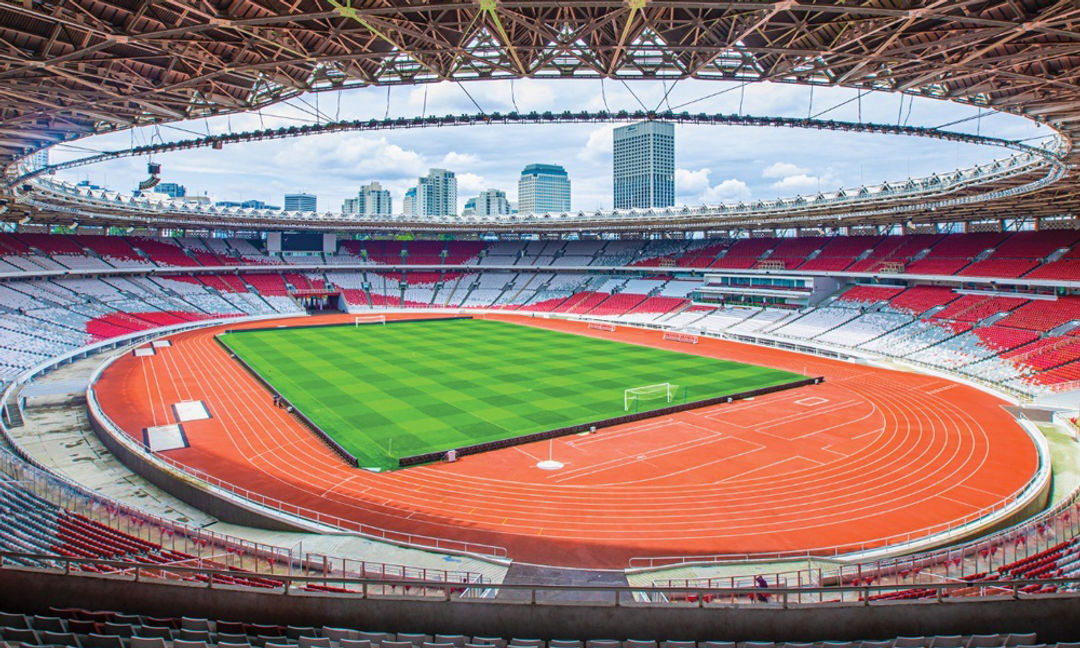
point(406, 388)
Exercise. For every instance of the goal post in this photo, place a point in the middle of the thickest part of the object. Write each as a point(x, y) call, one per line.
point(602, 326)
point(369, 319)
point(676, 336)
point(633, 397)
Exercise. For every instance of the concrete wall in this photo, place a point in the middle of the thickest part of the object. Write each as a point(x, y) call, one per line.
point(188, 489)
point(1055, 618)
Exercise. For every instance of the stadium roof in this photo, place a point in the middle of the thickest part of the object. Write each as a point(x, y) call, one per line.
point(78, 67)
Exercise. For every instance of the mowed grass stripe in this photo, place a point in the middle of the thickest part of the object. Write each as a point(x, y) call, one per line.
point(384, 392)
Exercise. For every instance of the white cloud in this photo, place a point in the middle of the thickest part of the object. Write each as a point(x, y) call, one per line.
point(694, 187)
point(531, 94)
point(729, 190)
point(692, 182)
point(454, 159)
point(718, 163)
point(801, 183)
point(353, 155)
point(436, 99)
point(598, 147)
point(470, 184)
point(783, 170)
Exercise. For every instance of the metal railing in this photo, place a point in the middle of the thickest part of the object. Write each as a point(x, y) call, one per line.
point(1019, 540)
point(692, 596)
point(281, 507)
point(38, 479)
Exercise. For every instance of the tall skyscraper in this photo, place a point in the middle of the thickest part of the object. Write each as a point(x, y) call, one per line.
point(301, 202)
point(644, 165)
point(543, 189)
point(372, 200)
point(492, 202)
point(436, 194)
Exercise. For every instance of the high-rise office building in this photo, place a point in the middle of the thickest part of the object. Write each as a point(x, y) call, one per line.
point(644, 165)
point(408, 205)
point(246, 204)
point(543, 189)
point(301, 202)
point(371, 200)
point(171, 189)
point(492, 202)
point(436, 194)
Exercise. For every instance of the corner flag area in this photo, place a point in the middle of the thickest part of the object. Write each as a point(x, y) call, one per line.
point(386, 392)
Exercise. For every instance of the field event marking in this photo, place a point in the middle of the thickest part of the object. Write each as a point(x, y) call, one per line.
point(143, 352)
point(165, 437)
point(941, 389)
point(190, 411)
point(811, 401)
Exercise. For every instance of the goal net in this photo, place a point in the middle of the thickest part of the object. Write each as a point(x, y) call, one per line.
point(675, 336)
point(602, 326)
point(635, 396)
point(369, 319)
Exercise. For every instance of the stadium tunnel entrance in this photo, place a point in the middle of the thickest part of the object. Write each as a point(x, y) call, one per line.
point(326, 300)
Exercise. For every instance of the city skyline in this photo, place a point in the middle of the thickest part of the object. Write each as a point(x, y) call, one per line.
point(715, 163)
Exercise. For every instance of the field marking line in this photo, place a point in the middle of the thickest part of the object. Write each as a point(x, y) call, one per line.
point(339, 484)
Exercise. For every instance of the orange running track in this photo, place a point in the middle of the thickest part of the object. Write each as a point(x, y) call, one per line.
point(870, 454)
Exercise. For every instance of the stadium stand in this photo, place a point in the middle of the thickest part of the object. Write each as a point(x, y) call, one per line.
point(1029, 345)
point(744, 253)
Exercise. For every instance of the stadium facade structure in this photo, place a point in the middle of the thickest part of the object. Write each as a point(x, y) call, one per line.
point(643, 165)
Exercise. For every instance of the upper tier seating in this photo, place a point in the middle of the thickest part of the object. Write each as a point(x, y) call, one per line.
point(841, 252)
point(919, 299)
point(793, 252)
point(870, 294)
point(51, 243)
point(1063, 269)
point(744, 253)
point(954, 252)
point(164, 254)
point(1042, 315)
point(974, 308)
point(895, 251)
point(114, 249)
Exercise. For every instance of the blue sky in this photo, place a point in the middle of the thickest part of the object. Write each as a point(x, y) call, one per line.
point(714, 164)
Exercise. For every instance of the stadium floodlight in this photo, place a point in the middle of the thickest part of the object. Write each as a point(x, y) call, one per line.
point(635, 395)
point(369, 319)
